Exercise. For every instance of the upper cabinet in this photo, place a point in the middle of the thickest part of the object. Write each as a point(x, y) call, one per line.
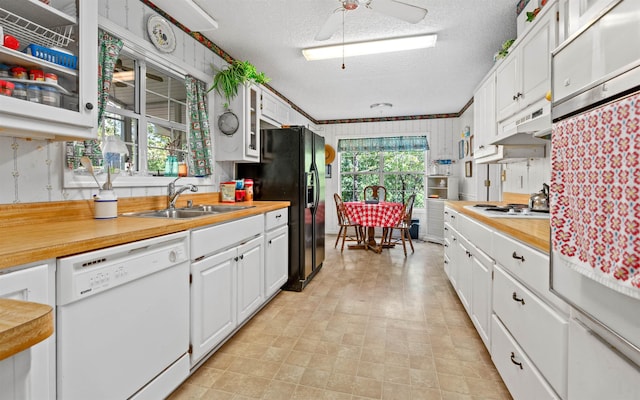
point(484, 117)
point(238, 133)
point(273, 110)
point(524, 77)
point(58, 49)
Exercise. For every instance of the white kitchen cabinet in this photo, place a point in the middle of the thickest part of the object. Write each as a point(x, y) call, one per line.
point(213, 302)
point(33, 21)
point(227, 280)
point(464, 266)
point(517, 371)
point(244, 144)
point(484, 117)
point(250, 266)
point(276, 250)
point(524, 77)
point(273, 110)
point(538, 329)
point(439, 188)
point(30, 374)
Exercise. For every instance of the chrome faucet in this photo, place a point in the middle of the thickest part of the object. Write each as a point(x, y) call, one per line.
point(173, 194)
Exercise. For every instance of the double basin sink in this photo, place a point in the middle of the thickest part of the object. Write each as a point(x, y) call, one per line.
point(188, 212)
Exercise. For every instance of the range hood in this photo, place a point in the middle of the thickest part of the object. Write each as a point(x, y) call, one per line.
point(527, 128)
point(504, 154)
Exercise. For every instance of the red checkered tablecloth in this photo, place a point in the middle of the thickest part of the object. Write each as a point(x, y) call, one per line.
point(383, 214)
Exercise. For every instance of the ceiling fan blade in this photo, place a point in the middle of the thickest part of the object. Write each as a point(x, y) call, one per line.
point(396, 9)
point(331, 25)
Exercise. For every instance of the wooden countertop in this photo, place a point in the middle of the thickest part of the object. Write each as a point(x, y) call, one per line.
point(22, 325)
point(533, 232)
point(40, 231)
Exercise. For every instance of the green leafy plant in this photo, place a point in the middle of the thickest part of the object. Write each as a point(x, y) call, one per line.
point(505, 49)
point(226, 81)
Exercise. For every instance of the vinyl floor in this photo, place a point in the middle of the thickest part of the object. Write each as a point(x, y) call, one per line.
point(369, 326)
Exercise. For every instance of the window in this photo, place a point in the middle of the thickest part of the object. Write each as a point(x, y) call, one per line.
point(401, 172)
point(148, 114)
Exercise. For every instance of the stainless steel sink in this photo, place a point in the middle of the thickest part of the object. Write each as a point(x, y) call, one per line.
point(188, 212)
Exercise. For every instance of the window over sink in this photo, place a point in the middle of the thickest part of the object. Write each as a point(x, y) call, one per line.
point(147, 111)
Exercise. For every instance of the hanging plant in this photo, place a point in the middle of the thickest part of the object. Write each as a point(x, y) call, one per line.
point(226, 81)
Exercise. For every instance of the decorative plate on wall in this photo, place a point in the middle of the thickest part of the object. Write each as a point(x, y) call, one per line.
point(329, 154)
point(161, 34)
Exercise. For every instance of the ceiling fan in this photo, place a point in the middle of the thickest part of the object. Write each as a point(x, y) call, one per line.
point(396, 9)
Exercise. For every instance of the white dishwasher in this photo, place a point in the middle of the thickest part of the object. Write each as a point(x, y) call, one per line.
point(123, 320)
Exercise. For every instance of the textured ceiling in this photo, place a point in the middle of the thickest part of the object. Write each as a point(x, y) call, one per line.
point(271, 34)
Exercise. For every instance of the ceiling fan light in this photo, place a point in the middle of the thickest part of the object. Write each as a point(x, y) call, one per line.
point(350, 4)
point(370, 47)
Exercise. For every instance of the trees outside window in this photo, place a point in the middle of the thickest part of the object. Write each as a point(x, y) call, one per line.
point(401, 172)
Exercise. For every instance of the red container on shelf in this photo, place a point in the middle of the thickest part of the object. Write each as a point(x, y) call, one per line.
point(52, 78)
point(6, 88)
point(19, 72)
point(36, 75)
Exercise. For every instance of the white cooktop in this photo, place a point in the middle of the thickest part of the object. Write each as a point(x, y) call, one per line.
point(499, 214)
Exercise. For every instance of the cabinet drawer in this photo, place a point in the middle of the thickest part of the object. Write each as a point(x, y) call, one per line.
point(217, 237)
point(518, 372)
point(276, 218)
point(476, 233)
point(529, 266)
point(539, 330)
point(451, 217)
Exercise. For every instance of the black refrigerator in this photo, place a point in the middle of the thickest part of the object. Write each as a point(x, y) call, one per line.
point(292, 168)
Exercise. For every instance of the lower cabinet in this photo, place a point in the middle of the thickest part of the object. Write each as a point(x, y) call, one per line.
point(227, 280)
point(518, 372)
point(250, 267)
point(213, 302)
point(276, 250)
point(30, 374)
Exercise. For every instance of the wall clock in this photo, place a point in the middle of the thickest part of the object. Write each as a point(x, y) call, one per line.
point(161, 34)
point(228, 123)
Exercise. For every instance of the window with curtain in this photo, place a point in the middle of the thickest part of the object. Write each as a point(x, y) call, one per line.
point(397, 163)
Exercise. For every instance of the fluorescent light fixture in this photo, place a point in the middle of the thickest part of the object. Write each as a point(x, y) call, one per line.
point(125, 76)
point(370, 47)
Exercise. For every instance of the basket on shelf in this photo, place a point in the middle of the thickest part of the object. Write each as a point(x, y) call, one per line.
point(53, 56)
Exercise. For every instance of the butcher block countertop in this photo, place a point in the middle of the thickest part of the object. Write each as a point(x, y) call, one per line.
point(22, 325)
point(40, 231)
point(533, 232)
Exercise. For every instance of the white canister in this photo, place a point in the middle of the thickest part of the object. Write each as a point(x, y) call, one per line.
point(105, 205)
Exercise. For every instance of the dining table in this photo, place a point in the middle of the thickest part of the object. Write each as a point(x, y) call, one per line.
point(372, 215)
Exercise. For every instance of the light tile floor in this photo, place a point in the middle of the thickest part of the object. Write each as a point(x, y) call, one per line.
point(369, 326)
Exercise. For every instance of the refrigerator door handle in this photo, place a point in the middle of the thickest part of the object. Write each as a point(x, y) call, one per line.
point(316, 190)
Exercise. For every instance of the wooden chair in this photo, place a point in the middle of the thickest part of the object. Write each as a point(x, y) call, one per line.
point(375, 192)
point(345, 224)
point(403, 226)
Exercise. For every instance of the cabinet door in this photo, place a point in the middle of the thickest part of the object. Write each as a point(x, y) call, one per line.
point(276, 266)
point(30, 373)
point(213, 302)
point(250, 277)
point(463, 261)
point(507, 86)
point(535, 57)
point(484, 115)
point(76, 117)
point(252, 127)
point(481, 267)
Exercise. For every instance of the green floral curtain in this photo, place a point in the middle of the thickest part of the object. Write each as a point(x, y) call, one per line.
point(398, 143)
point(108, 51)
point(199, 132)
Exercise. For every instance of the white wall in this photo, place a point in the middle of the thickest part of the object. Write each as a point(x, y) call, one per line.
point(441, 134)
point(527, 177)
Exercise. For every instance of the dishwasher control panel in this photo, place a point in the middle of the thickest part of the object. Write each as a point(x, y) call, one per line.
point(87, 274)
